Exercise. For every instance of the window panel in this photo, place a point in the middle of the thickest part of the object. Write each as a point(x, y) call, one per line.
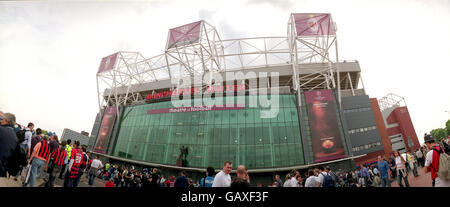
point(211, 136)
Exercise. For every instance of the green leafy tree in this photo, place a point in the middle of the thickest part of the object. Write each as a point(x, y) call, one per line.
point(438, 134)
point(45, 132)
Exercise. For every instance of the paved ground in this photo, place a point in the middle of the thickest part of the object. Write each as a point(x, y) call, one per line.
point(10, 182)
point(423, 180)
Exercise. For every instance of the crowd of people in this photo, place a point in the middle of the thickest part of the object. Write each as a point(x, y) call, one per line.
point(28, 154)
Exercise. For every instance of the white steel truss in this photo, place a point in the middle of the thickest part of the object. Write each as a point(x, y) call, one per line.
point(197, 58)
point(313, 49)
point(211, 53)
point(391, 100)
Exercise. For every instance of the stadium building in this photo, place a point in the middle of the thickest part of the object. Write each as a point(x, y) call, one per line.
point(290, 103)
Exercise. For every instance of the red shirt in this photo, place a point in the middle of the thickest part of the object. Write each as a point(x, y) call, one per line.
point(59, 156)
point(435, 163)
point(44, 151)
point(109, 184)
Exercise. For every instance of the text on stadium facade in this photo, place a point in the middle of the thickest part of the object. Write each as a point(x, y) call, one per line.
point(198, 90)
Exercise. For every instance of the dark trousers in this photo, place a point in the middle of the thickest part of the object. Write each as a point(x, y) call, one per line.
point(400, 175)
point(76, 181)
point(66, 180)
point(53, 173)
point(92, 173)
point(70, 182)
point(62, 171)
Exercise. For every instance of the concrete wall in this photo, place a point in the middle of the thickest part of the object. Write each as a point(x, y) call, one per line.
point(74, 136)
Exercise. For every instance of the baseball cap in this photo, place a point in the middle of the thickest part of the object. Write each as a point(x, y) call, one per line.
point(429, 138)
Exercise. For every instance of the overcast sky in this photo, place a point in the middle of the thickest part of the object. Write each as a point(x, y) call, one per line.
point(50, 51)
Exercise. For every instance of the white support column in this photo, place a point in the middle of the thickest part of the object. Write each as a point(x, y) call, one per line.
point(98, 95)
point(362, 82)
point(351, 84)
point(338, 75)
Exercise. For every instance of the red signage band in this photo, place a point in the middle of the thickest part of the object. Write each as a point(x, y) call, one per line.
point(198, 90)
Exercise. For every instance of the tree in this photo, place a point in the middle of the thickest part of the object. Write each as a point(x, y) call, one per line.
point(438, 134)
point(447, 127)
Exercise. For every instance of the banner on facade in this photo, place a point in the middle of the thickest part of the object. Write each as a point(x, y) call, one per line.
point(105, 129)
point(184, 35)
point(325, 134)
point(107, 63)
point(314, 24)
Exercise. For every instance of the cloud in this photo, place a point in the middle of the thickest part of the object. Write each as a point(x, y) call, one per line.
point(50, 51)
point(280, 4)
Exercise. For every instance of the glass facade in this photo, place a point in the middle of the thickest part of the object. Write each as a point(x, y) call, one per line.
point(212, 137)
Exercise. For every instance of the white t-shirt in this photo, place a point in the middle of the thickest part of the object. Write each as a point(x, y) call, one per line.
point(321, 177)
point(96, 164)
point(438, 182)
point(222, 180)
point(398, 162)
point(287, 183)
point(419, 154)
point(375, 171)
point(28, 136)
point(294, 182)
point(311, 181)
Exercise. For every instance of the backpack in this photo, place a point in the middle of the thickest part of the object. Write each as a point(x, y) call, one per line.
point(17, 160)
point(334, 177)
point(446, 148)
point(21, 135)
point(327, 180)
point(444, 165)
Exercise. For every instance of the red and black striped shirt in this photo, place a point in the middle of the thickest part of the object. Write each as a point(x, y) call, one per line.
point(58, 156)
point(77, 156)
point(44, 152)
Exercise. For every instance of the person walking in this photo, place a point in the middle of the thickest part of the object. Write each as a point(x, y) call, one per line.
point(209, 179)
point(419, 156)
point(155, 178)
point(73, 166)
point(364, 174)
point(26, 144)
point(412, 163)
point(311, 181)
point(39, 160)
point(68, 149)
point(432, 162)
point(223, 179)
point(292, 181)
point(278, 181)
point(82, 167)
point(182, 181)
point(57, 158)
point(95, 166)
point(242, 180)
point(8, 140)
point(400, 169)
point(383, 167)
